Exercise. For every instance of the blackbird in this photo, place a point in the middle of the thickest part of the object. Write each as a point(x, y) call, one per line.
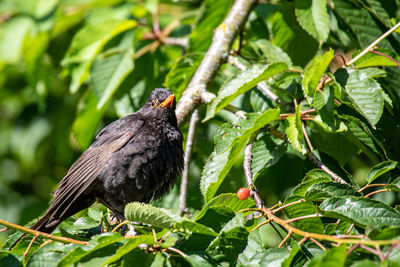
point(135, 158)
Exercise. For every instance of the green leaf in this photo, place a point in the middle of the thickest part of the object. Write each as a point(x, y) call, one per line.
point(110, 69)
point(270, 258)
point(361, 132)
point(330, 189)
point(87, 119)
point(363, 92)
point(372, 60)
point(148, 214)
point(51, 254)
point(212, 13)
point(395, 185)
point(384, 233)
point(87, 43)
point(294, 131)
point(228, 246)
point(313, 16)
point(240, 84)
point(314, 71)
point(313, 225)
point(336, 144)
point(366, 263)
point(12, 36)
point(266, 151)
point(228, 200)
point(334, 257)
point(219, 164)
point(362, 211)
point(8, 259)
point(181, 73)
point(271, 52)
point(193, 227)
point(96, 244)
point(216, 217)
point(198, 261)
point(324, 104)
point(132, 243)
point(380, 169)
point(364, 27)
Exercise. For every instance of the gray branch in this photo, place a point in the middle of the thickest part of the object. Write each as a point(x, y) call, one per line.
point(249, 175)
point(188, 152)
point(218, 52)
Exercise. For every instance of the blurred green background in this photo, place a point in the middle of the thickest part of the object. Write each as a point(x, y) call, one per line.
point(49, 104)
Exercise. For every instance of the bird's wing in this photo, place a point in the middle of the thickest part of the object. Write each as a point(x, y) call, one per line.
point(85, 170)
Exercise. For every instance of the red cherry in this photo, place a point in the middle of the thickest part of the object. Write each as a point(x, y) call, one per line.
point(243, 193)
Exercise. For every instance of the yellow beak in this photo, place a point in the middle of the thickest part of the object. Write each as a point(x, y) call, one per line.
point(167, 102)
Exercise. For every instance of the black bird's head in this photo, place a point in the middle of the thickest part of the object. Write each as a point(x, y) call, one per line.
point(161, 103)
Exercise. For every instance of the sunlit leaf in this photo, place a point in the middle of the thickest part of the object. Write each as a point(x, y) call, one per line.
point(313, 17)
point(240, 84)
point(362, 211)
point(380, 169)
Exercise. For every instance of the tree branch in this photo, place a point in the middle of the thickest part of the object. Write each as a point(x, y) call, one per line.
point(373, 44)
point(38, 233)
point(218, 52)
point(188, 153)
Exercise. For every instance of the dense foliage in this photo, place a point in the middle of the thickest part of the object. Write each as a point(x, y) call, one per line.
point(323, 129)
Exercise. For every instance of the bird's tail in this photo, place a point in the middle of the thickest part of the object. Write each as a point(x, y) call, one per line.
point(41, 225)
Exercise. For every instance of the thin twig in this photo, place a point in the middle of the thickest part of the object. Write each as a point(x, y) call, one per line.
point(371, 250)
point(317, 243)
point(30, 245)
point(48, 236)
point(186, 167)
point(323, 167)
point(380, 254)
point(390, 250)
point(218, 52)
point(303, 127)
point(303, 217)
point(285, 239)
point(350, 228)
point(303, 240)
point(386, 56)
point(246, 210)
point(119, 226)
point(373, 44)
point(177, 251)
point(3, 230)
point(370, 185)
point(354, 247)
point(259, 225)
point(288, 205)
point(376, 192)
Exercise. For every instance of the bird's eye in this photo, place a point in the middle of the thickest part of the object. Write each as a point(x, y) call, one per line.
point(154, 103)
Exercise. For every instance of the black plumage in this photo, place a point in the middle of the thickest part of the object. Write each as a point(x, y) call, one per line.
point(135, 158)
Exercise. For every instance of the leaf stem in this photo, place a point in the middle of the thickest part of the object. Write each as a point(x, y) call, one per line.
point(177, 251)
point(386, 56)
point(288, 205)
point(370, 185)
point(376, 192)
point(373, 44)
point(303, 217)
point(285, 239)
point(318, 244)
